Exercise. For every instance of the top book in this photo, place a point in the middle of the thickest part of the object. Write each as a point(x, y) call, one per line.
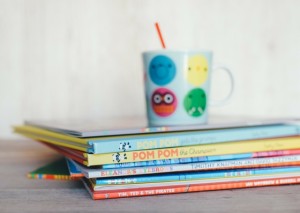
point(132, 126)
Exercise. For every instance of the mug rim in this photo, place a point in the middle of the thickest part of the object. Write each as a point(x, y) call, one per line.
point(181, 51)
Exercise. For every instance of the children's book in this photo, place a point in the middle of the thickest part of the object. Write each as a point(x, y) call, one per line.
point(57, 170)
point(138, 125)
point(144, 140)
point(203, 159)
point(279, 161)
point(183, 152)
point(188, 176)
point(99, 188)
point(75, 173)
point(135, 190)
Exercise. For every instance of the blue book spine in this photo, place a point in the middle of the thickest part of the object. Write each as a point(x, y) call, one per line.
point(72, 168)
point(195, 176)
point(178, 161)
point(176, 139)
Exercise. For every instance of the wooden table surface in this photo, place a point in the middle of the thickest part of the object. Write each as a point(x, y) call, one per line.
point(19, 194)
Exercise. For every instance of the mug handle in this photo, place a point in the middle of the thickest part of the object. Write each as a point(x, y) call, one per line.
point(230, 93)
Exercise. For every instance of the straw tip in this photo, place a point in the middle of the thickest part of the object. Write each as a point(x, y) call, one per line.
point(160, 35)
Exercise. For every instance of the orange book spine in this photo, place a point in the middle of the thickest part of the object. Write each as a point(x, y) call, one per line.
point(194, 188)
point(139, 192)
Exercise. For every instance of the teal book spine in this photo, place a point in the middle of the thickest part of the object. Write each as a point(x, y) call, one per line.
point(189, 138)
point(195, 176)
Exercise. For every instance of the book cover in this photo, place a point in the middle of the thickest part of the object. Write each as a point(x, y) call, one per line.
point(280, 161)
point(57, 170)
point(52, 137)
point(192, 186)
point(101, 188)
point(195, 175)
point(184, 152)
point(73, 170)
point(133, 125)
point(108, 144)
point(194, 151)
point(190, 138)
point(203, 159)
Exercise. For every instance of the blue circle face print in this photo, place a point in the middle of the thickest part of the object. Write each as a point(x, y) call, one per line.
point(162, 70)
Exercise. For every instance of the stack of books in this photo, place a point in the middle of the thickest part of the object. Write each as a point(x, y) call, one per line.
point(127, 158)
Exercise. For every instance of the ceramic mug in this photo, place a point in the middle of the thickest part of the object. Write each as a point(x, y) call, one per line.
point(177, 86)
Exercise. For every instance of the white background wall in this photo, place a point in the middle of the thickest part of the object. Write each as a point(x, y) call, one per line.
point(77, 59)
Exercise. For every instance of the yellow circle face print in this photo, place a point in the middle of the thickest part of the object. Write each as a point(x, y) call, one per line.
point(197, 70)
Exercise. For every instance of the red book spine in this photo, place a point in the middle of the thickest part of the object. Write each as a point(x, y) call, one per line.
point(194, 188)
point(66, 153)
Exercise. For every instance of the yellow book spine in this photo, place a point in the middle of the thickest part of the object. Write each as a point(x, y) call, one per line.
point(55, 142)
point(43, 132)
point(194, 151)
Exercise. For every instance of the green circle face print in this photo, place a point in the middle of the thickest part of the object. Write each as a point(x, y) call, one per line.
point(195, 102)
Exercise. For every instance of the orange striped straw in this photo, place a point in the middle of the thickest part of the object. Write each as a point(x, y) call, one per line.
point(160, 36)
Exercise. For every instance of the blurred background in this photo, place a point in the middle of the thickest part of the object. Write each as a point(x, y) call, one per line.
point(76, 59)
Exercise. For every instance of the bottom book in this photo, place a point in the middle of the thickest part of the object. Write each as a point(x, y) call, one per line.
point(193, 186)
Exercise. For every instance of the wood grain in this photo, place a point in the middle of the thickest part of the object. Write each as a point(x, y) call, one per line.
point(19, 194)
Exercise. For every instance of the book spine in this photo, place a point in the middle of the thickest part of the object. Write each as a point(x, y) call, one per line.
point(194, 188)
point(203, 159)
point(156, 162)
point(40, 132)
point(195, 151)
point(54, 141)
point(293, 160)
point(50, 177)
point(73, 170)
point(194, 176)
point(236, 164)
point(157, 141)
point(66, 153)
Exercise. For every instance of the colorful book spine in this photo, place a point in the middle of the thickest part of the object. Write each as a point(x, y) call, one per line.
point(202, 159)
point(57, 170)
point(194, 151)
point(293, 160)
point(189, 138)
point(73, 170)
point(193, 176)
point(49, 177)
point(185, 188)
